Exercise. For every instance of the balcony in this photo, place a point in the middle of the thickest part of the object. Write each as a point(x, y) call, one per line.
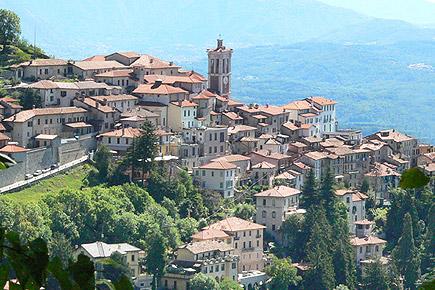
point(258, 236)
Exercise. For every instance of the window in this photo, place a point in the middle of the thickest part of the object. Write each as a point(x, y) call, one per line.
point(235, 246)
point(263, 214)
point(377, 248)
point(109, 140)
point(30, 124)
point(118, 140)
point(273, 214)
point(273, 227)
point(250, 244)
point(63, 93)
point(221, 185)
point(264, 201)
point(46, 71)
point(217, 268)
point(233, 265)
point(211, 269)
point(244, 245)
point(132, 258)
point(360, 250)
point(258, 243)
point(203, 173)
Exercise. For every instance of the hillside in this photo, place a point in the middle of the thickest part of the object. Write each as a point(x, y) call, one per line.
point(375, 85)
point(20, 52)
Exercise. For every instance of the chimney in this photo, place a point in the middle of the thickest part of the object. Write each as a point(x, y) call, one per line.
point(104, 102)
point(151, 60)
point(158, 82)
point(171, 63)
point(97, 105)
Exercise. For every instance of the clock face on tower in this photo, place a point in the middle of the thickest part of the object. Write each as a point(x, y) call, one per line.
point(225, 80)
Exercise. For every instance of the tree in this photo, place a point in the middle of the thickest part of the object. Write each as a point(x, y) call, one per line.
point(321, 273)
point(244, 211)
point(343, 257)
point(143, 151)
point(228, 284)
point(112, 268)
point(309, 195)
point(102, 161)
point(406, 256)
point(10, 28)
point(187, 227)
point(201, 281)
point(429, 243)
point(365, 186)
point(283, 274)
point(375, 277)
point(60, 246)
point(156, 257)
point(291, 230)
point(30, 98)
point(327, 196)
point(413, 178)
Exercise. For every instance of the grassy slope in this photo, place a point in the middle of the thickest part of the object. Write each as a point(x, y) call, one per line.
point(72, 179)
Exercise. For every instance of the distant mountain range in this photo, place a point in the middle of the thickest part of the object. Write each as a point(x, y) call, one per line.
point(75, 29)
point(380, 71)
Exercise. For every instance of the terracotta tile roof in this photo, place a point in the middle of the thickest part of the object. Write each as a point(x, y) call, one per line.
point(364, 222)
point(4, 137)
point(12, 148)
point(43, 84)
point(355, 194)
point(322, 101)
point(298, 144)
point(272, 142)
point(393, 135)
point(93, 65)
point(240, 128)
point(118, 73)
point(370, 240)
point(297, 105)
point(210, 234)
point(95, 58)
point(291, 126)
point(306, 126)
point(195, 75)
point(114, 98)
point(263, 165)
point(271, 110)
point(301, 165)
point(265, 136)
point(235, 224)
point(10, 103)
point(83, 85)
point(139, 112)
point(232, 116)
point(248, 139)
point(272, 155)
point(207, 246)
point(232, 158)
point(379, 170)
point(259, 116)
point(23, 116)
point(222, 99)
point(151, 62)
point(170, 80)
point(184, 104)
point(316, 155)
point(160, 132)
point(278, 191)
point(42, 62)
point(97, 105)
point(285, 175)
point(124, 132)
point(429, 167)
point(154, 89)
point(249, 109)
point(234, 103)
point(127, 54)
point(218, 165)
point(78, 125)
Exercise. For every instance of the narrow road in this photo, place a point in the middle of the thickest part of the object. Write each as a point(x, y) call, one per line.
point(28, 182)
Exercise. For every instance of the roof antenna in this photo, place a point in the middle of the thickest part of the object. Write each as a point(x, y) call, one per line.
point(34, 42)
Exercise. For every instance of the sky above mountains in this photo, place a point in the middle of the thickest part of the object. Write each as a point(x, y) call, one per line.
point(414, 11)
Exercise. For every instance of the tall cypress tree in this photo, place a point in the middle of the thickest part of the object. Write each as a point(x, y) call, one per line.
point(319, 255)
point(343, 258)
point(327, 195)
point(309, 195)
point(406, 256)
point(375, 277)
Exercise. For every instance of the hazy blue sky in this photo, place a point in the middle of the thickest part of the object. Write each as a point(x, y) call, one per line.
point(416, 11)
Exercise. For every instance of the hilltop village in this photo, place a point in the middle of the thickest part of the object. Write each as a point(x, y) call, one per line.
point(225, 145)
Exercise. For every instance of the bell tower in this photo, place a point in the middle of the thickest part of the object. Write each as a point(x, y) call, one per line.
point(219, 69)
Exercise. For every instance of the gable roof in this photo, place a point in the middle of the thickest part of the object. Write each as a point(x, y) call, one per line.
point(12, 148)
point(207, 246)
point(155, 89)
point(124, 132)
point(235, 224)
point(210, 234)
point(25, 115)
point(151, 62)
point(103, 250)
point(92, 65)
point(278, 191)
point(218, 165)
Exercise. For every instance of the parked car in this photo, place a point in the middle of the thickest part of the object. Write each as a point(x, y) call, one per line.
point(28, 176)
point(37, 172)
point(46, 170)
point(54, 166)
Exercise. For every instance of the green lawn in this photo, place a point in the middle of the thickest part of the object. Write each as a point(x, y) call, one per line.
point(72, 179)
